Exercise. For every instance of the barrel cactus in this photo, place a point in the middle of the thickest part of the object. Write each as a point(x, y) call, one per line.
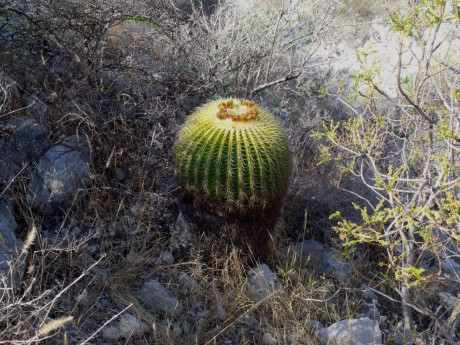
point(233, 154)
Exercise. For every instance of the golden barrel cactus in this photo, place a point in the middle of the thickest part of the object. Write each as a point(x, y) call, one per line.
point(234, 154)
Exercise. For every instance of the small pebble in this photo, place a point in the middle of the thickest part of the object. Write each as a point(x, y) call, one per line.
point(155, 261)
point(227, 341)
point(121, 174)
point(167, 257)
point(136, 210)
point(153, 159)
point(82, 298)
point(91, 249)
point(187, 281)
point(221, 313)
point(268, 339)
point(81, 335)
point(105, 301)
point(130, 221)
point(177, 330)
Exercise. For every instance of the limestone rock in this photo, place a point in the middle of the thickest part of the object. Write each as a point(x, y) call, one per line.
point(335, 265)
point(181, 235)
point(311, 253)
point(263, 282)
point(308, 250)
point(268, 339)
point(351, 332)
point(126, 327)
point(22, 141)
point(10, 246)
point(156, 298)
point(186, 281)
point(61, 177)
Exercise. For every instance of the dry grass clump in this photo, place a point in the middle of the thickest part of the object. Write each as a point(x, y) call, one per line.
point(222, 290)
point(131, 229)
point(70, 278)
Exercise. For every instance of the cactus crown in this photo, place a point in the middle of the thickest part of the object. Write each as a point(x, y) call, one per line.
point(232, 152)
point(244, 110)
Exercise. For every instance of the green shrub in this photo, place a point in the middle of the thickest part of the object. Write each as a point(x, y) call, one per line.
point(402, 141)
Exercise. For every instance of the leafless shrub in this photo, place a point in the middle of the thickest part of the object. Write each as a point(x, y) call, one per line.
point(243, 51)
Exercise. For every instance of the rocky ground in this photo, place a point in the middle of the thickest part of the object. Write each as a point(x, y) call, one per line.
point(98, 245)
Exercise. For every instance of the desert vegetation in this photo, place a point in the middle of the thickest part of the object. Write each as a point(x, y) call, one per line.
point(100, 239)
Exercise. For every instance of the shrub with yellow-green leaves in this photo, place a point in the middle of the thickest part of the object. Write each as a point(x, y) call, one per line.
point(406, 149)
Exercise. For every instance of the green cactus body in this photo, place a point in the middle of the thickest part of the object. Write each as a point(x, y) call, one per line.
point(233, 153)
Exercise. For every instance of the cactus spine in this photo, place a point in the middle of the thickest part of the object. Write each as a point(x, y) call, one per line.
point(233, 153)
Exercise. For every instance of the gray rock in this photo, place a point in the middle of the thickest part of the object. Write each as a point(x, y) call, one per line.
point(136, 210)
point(115, 81)
point(121, 174)
point(105, 302)
point(167, 257)
point(74, 331)
point(445, 253)
point(449, 300)
point(130, 221)
point(177, 329)
point(449, 265)
point(396, 335)
point(22, 141)
point(186, 281)
point(126, 327)
point(351, 332)
point(145, 61)
point(226, 341)
point(306, 251)
point(12, 23)
point(9, 86)
point(221, 313)
point(83, 298)
point(268, 339)
point(35, 105)
point(155, 261)
point(315, 324)
point(371, 311)
point(181, 236)
point(58, 70)
point(250, 322)
point(368, 294)
point(61, 177)
point(9, 244)
point(156, 298)
point(335, 265)
point(153, 159)
point(311, 253)
point(220, 302)
point(198, 312)
point(263, 282)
